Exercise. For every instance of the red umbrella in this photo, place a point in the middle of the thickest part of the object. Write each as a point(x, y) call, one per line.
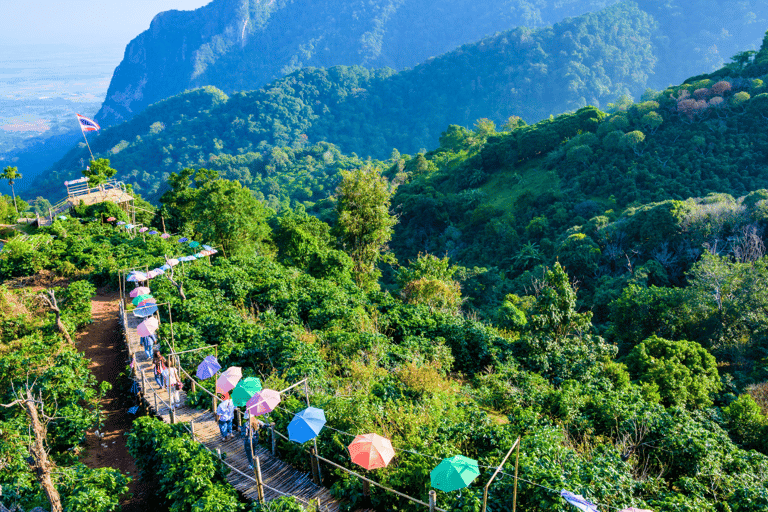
point(371, 451)
point(111, 219)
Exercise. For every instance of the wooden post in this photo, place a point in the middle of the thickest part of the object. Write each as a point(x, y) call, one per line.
point(194, 386)
point(313, 463)
point(517, 463)
point(432, 500)
point(218, 453)
point(238, 418)
point(259, 486)
point(170, 400)
point(192, 429)
point(155, 395)
point(215, 403)
point(366, 493)
point(162, 221)
point(274, 439)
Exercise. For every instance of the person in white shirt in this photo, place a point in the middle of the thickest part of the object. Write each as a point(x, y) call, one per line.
point(171, 377)
point(225, 413)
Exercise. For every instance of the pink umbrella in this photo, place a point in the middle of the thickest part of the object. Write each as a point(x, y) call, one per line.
point(153, 274)
point(371, 451)
point(165, 235)
point(141, 290)
point(148, 326)
point(263, 402)
point(229, 379)
point(150, 300)
point(172, 262)
point(142, 230)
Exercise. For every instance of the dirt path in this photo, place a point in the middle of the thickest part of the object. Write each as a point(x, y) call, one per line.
point(101, 342)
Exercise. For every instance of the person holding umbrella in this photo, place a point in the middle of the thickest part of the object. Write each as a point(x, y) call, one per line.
point(225, 413)
point(251, 436)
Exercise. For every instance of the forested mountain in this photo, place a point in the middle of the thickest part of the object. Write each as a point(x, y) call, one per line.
point(517, 73)
point(238, 45)
point(241, 45)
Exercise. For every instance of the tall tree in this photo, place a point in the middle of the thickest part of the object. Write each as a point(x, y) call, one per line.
point(228, 215)
point(98, 172)
point(11, 174)
point(364, 224)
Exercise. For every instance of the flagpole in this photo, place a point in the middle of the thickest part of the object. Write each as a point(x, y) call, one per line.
point(86, 143)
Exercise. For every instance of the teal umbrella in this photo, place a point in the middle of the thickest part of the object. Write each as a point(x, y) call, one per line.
point(194, 244)
point(454, 473)
point(244, 390)
point(140, 298)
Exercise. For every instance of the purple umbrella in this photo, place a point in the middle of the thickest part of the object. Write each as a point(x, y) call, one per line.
point(208, 368)
point(153, 232)
point(183, 239)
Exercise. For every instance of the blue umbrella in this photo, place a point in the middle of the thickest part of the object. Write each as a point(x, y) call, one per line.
point(145, 311)
point(159, 271)
point(306, 425)
point(208, 368)
point(207, 247)
point(183, 239)
point(153, 232)
point(120, 222)
point(187, 258)
point(62, 217)
point(165, 267)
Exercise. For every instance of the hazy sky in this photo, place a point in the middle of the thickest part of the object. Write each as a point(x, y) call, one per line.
point(81, 22)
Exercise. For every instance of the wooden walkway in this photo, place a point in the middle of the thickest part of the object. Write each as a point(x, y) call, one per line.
point(279, 478)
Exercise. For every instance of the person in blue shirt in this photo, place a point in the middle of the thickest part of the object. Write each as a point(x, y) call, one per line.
point(225, 413)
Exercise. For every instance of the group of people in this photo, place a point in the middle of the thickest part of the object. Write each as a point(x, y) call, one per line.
point(225, 414)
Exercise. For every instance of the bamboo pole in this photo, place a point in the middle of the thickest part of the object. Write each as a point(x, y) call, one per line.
point(259, 484)
point(432, 500)
point(516, 444)
point(274, 439)
point(192, 429)
point(517, 463)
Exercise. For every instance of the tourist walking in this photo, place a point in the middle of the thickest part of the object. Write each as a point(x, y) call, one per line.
point(148, 342)
point(225, 413)
point(160, 364)
point(251, 436)
point(172, 381)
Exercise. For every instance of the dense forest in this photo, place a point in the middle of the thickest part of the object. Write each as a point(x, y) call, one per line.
point(663, 409)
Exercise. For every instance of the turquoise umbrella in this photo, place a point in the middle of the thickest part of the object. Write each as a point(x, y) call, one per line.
point(244, 390)
point(454, 473)
point(140, 298)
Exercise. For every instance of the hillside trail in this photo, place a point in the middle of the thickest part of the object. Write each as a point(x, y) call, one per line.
point(101, 342)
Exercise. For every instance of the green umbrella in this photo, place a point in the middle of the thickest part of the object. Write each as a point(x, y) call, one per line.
point(244, 390)
point(454, 473)
point(194, 244)
point(141, 298)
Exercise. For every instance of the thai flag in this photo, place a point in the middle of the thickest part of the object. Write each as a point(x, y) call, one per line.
point(87, 125)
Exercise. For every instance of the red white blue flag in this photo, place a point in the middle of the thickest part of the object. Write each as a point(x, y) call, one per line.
point(87, 125)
